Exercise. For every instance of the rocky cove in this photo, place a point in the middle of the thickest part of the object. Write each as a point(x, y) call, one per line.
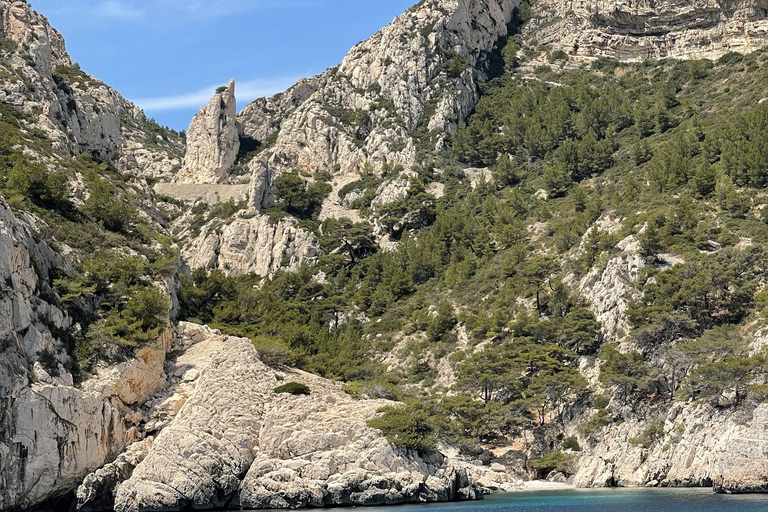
point(359, 163)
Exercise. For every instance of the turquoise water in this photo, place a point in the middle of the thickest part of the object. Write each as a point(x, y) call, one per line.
point(604, 500)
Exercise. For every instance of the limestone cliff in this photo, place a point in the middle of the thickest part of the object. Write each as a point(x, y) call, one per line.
point(699, 446)
point(249, 243)
point(77, 112)
point(419, 74)
point(53, 434)
point(246, 446)
point(647, 29)
point(203, 441)
point(212, 140)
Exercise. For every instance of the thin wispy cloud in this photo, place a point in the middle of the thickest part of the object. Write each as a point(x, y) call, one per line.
point(245, 91)
point(170, 12)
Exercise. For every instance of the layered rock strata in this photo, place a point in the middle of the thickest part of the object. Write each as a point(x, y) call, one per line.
point(648, 29)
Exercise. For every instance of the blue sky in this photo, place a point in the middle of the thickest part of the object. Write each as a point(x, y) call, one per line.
point(169, 56)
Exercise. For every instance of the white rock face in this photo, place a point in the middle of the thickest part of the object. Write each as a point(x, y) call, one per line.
point(95, 493)
point(252, 243)
point(650, 29)
point(52, 434)
point(212, 140)
point(76, 111)
point(421, 71)
point(236, 439)
point(700, 447)
point(198, 459)
point(192, 351)
point(611, 288)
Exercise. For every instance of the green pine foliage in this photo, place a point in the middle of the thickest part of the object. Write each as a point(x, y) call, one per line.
point(112, 282)
point(293, 388)
point(485, 276)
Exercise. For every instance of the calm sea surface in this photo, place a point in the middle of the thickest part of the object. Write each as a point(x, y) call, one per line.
point(609, 500)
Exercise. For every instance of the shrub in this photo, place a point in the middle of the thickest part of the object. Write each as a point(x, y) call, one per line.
point(549, 462)
point(571, 443)
point(293, 388)
point(137, 322)
point(599, 420)
point(649, 436)
point(405, 427)
point(298, 198)
point(558, 55)
point(8, 45)
point(273, 351)
point(104, 206)
point(34, 181)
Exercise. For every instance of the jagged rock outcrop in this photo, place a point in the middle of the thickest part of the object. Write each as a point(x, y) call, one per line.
point(236, 442)
point(77, 112)
point(420, 73)
point(701, 446)
point(251, 243)
point(649, 29)
point(192, 352)
point(95, 493)
point(212, 140)
point(611, 287)
point(52, 434)
point(261, 118)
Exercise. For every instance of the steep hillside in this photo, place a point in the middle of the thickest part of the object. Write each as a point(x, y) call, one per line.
point(553, 259)
point(89, 274)
point(581, 270)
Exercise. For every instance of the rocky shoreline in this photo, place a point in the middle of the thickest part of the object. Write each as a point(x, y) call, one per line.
point(235, 443)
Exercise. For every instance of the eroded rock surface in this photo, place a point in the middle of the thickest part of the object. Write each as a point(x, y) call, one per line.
point(212, 140)
point(612, 286)
point(701, 446)
point(52, 434)
point(252, 243)
point(421, 72)
point(649, 29)
point(236, 442)
point(77, 112)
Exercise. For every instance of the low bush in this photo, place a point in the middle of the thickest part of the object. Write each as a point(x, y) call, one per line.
point(293, 388)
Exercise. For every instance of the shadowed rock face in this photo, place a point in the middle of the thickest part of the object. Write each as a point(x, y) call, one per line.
point(51, 433)
point(212, 140)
